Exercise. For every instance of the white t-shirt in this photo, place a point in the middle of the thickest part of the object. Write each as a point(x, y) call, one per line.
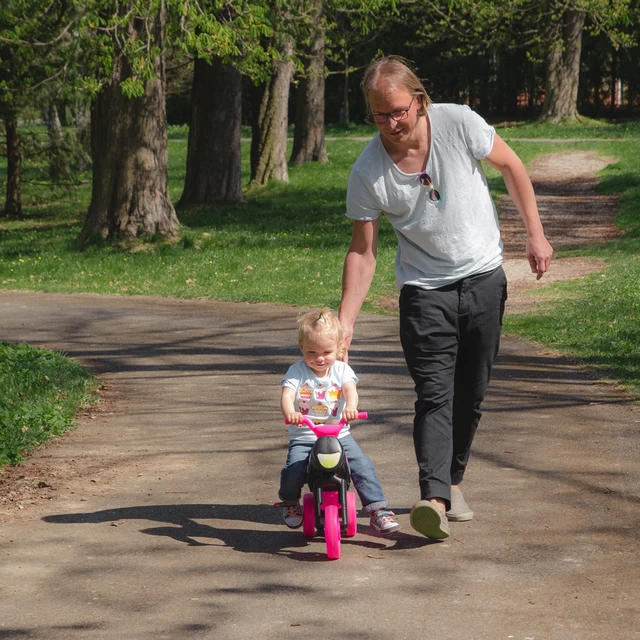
point(320, 399)
point(438, 242)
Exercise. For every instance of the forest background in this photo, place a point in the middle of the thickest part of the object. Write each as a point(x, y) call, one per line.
point(117, 73)
point(202, 149)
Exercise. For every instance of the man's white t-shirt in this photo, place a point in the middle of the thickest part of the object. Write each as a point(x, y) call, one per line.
point(438, 242)
point(320, 399)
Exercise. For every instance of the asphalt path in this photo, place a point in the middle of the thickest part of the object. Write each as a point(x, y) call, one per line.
point(166, 529)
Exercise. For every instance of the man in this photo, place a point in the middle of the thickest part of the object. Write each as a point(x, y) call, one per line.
point(423, 171)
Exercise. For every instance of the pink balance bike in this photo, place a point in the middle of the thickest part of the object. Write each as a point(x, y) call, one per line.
point(330, 507)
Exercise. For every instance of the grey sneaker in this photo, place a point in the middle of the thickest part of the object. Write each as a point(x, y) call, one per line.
point(291, 513)
point(459, 511)
point(430, 521)
point(384, 521)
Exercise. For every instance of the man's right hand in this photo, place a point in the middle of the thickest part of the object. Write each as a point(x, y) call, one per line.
point(347, 336)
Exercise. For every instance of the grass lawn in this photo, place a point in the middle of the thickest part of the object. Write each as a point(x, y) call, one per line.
point(586, 128)
point(40, 392)
point(286, 245)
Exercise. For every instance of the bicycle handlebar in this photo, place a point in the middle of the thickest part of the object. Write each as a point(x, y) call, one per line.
point(327, 429)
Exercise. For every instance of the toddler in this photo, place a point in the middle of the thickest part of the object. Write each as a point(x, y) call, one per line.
point(323, 388)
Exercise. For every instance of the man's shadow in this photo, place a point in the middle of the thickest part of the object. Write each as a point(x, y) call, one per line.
point(183, 524)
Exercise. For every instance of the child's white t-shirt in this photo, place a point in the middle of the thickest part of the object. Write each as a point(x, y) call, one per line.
point(320, 399)
point(438, 242)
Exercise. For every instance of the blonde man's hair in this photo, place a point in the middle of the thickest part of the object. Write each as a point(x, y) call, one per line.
point(320, 323)
point(397, 71)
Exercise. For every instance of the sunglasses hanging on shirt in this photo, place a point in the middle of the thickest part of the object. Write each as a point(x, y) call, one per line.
point(425, 181)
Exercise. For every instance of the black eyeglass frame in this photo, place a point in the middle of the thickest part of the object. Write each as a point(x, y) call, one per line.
point(404, 113)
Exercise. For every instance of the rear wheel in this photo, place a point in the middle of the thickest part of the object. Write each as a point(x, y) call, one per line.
point(332, 531)
point(352, 515)
point(308, 515)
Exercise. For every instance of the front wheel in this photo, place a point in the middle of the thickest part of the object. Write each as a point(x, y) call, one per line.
point(332, 531)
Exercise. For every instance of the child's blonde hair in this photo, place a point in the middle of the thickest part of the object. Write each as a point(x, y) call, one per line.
point(321, 323)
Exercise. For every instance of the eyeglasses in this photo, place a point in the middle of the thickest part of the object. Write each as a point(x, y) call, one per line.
point(381, 118)
point(425, 181)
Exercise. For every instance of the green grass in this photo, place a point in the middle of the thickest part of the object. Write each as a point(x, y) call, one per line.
point(595, 319)
point(40, 392)
point(584, 128)
point(181, 131)
point(286, 245)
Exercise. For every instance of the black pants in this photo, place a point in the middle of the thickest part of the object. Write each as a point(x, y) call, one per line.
point(450, 337)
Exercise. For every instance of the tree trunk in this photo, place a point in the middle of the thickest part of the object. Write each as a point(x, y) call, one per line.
point(58, 161)
point(13, 201)
point(83, 134)
point(81, 121)
point(270, 148)
point(52, 121)
point(213, 155)
point(614, 84)
point(308, 136)
point(563, 69)
point(130, 197)
point(344, 115)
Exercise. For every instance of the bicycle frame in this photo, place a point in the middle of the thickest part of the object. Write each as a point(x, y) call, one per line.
point(330, 506)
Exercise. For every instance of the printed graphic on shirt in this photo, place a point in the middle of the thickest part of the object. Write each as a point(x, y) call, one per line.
point(319, 411)
point(334, 393)
point(319, 400)
point(305, 392)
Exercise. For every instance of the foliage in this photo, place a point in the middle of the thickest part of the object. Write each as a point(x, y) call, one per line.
point(32, 32)
point(40, 392)
point(491, 55)
point(231, 31)
point(472, 26)
point(349, 25)
point(106, 30)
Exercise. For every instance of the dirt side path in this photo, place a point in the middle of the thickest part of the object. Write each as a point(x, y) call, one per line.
point(573, 213)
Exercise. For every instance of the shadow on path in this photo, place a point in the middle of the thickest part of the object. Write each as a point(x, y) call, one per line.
point(183, 525)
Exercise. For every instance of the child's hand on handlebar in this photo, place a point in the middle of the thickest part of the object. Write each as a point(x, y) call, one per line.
point(349, 414)
point(294, 417)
